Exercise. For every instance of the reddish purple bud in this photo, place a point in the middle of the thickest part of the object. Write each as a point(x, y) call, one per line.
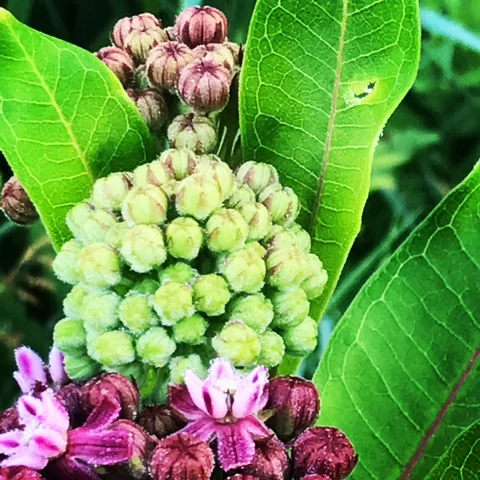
point(112, 385)
point(140, 23)
point(240, 476)
point(19, 473)
point(204, 85)
point(201, 25)
point(295, 404)
point(160, 420)
point(139, 44)
point(165, 63)
point(70, 398)
point(270, 461)
point(16, 203)
point(324, 451)
point(182, 456)
point(9, 420)
point(216, 52)
point(316, 476)
point(119, 62)
point(151, 105)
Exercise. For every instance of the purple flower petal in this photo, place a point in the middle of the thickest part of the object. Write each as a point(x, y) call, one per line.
point(255, 427)
point(103, 415)
point(56, 367)
point(203, 428)
point(10, 441)
point(30, 367)
point(222, 371)
point(180, 399)
point(249, 397)
point(54, 414)
point(48, 443)
point(216, 401)
point(67, 468)
point(25, 458)
point(100, 448)
point(236, 447)
point(29, 409)
point(24, 385)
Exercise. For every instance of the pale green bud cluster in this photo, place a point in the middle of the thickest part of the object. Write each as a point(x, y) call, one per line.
point(181, 261)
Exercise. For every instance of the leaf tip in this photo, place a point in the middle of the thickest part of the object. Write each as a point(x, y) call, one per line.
point(5, 15)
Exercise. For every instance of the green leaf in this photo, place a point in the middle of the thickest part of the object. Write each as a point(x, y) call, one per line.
point(64, 121)
point(319, 81)
point(462, 461)
point(401, 374)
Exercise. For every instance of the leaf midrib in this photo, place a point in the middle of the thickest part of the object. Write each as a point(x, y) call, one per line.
point(331, 120)
point(57, 108)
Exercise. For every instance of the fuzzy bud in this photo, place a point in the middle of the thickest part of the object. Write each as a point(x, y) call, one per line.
point(184, 238)
point(145, 205)
point(190, 330)
point(135, 313)
point(160, 420)
point(201, 25)
point(295, 404)
point(110, 192)
point(143, 248)
point(211, 165)
point(258, 218)
point(304, 242)
point(291, 307)
point(238, 343)
point(73, 305)
point(211, 294)
point(244, 270)
point(273, 349)
point(218, 53)
point(226, 231)
point(205, 86)
point(182, 456)
point(324, 451)
point(198, 196)
point(99, 266)
point(112, 348)
point(89, 224)
point(180, 365)
point(286, 267)
point(282, 203)
point(151, 106)
point(172, 302)
point(69, 336)
point(100, 311)
point(279, 236)
point(139, 44)
point(255, 311)
point(257, 176)
point(65, 263)
point(180, 163)
point(178, 272)
point(80, 367)
point(243, 195)
point(302, 339)
point(154, 173)
point(194, 132)
point(16, 203)
point(155, 347)
point(316, 278)
point(119, 62)
point(127, 25)
point(165, 62)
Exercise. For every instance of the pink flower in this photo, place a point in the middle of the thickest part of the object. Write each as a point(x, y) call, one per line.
point(224, 406)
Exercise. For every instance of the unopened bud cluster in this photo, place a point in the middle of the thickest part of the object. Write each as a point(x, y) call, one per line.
point(193, 60)
point(183, 260)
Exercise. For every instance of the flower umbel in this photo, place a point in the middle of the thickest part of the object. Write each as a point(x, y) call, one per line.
point(224, 406)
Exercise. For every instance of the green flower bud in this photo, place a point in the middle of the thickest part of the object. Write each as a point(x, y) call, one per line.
point(114, 237)
point(112, 348)
point(155, 347)
point(74, 302)
point(286, 267)
point(146, 205)
point(194, 132)
point(257, 176)
point(65, 263)
point(280, 237)
point(226, 230)
point(154, 173)
point(145, 287)
point(282, 204)
point(304, 242)
point(100, 311)
point(244, 270)
point(179, 163)
point(257, 248)
point(172, 302)
point(109, 192)
point(178, 272)
point(89, 224)
point(184, 238)
point(135, 370)
point(241, 196)
point(255, 311)
point(238, 343)
point(211, 165)
point(135, 313)
point(198, 196)
point(190, 330)
point(81, 367)
point(273, 349)
point(211, 294)
point(291, 307)
point(99, 266)
point(143, 248)
point(180, 365)
point(258, 218)
point(302, 339)
point(69, 336)
point(316, 278)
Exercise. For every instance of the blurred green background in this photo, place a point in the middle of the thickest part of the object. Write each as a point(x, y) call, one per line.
point(429, 145)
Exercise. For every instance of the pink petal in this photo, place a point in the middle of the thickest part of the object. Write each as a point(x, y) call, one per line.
point(195, 389)
point(30, 366)
point(54, 414)
point(24, 457)
point(103, 414)
point(29, 409)
point(203, 428)
point(10, 441)
point(179, 398)
point(67, 468)
point(24, 385)
point(250, 396)
point(56, 367)
point(100, 448)
point(48, 443)
point(255, 427)
point(236, 447)
point(222, 371)
point(216, 401)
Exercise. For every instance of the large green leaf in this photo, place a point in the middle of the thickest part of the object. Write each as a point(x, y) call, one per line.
point(64, 121)
point(319, 81)
point(401, 374)
point(462, 461)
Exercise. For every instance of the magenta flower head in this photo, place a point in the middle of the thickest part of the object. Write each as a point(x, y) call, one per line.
point(19, 473)
point(323, 451)
point(224, 406)
point(295, 404)
point(201, 25)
